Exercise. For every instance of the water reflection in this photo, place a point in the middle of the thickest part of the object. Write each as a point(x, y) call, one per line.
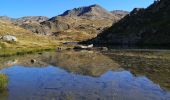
point(82, 62)
point(154, 65)
point(53, 83)
point(88, 75)
point(4, 95)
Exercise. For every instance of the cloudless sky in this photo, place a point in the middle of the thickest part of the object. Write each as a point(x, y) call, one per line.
point(49, 8)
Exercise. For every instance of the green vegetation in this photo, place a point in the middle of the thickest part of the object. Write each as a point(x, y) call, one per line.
point(3, 82)
point(20, 51)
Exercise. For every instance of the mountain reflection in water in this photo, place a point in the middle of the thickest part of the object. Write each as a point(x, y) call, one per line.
point(86, 75)
point(53, 83)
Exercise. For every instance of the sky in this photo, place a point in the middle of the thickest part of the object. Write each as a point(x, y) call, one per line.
point(49, 8)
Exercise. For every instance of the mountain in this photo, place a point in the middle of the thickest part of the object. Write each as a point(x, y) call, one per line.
point(149, 26)
point(78, 24)
point(26, 19)
point(120, 13)
point(73, 25)
point(6, 18)
point(30, 19)
point(92, 12)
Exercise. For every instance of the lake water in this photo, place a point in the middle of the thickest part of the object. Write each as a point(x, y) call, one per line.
point(88, 75)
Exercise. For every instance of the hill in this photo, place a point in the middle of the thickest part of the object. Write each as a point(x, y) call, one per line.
point(77, 24)
point(148, 26)
point(27, 40)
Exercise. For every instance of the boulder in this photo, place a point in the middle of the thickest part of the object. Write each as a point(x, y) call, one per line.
point(9, 38)
point(83, 47)
point(33, 61)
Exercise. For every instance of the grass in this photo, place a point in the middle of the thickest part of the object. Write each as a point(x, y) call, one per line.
point(28, 42)
point(3, 82)
point(21, 51)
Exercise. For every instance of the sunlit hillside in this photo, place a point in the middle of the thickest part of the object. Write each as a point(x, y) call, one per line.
point(27, 41)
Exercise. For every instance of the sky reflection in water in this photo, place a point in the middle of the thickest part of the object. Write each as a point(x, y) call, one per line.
point(53, 83)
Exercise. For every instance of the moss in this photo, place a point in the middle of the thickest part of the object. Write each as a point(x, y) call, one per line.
point(3, 82)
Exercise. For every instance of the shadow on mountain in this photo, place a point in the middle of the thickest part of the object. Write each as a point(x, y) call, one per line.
point(143, 26)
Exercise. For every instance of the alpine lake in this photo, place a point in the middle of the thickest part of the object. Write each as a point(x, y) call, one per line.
point(115, 74)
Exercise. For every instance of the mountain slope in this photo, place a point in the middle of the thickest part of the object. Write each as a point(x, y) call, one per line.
point(141, 26)
point(27, 40)
point(74, 25)
point(30, 19)
point(6, 18)
point(77, 24)
point(120, 13)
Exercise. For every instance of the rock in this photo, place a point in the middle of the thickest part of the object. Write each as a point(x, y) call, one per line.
point(136, 11)
point(9, 38)
point(12, 62)
point(56, 25)
point(104, 48)
point(40, 53)
point(83, 47)
point(33, 60)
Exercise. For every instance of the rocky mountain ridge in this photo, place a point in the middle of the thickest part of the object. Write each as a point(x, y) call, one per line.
point(91, 12)
point(148, 26)
point(30, 19)
point(120, 13)
point(77, 24)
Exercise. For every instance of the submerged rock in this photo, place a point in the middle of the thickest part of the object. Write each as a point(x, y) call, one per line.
point(33, 60)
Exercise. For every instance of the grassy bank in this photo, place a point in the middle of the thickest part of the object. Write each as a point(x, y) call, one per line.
point(3, 82)
point(6, 52)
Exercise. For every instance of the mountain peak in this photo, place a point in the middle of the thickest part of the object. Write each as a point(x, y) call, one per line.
point(92, 11)
point(95, 5)
point(6, 18)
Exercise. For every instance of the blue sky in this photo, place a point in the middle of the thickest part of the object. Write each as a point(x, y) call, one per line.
point(20, 8)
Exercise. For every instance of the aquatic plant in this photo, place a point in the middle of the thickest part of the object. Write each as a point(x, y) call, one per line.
point(3, 82)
